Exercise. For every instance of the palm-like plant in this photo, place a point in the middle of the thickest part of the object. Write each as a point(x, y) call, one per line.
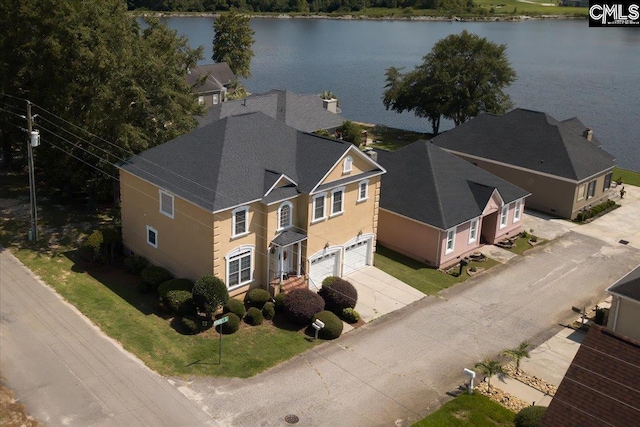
point(517, 354)
point(489, 368)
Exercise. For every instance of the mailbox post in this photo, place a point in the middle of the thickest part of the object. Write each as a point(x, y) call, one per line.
point(317, 325)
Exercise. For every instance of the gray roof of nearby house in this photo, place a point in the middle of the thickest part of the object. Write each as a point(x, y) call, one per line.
point(218, 75)
point(300, 111)
point(531, 140)
point(425, 183)
point(628, 286)
point(232, 161)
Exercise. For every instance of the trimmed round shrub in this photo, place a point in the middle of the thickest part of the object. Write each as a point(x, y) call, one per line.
point(254, 316)
point(180, 301)
point(234, 306)
point(350, 315)
point(338, 294)
point(279, 301)
point(135, 264)
point(210, 293)
point(153, 277)
point(174, 285)
point(531, 416)
point(269, 310)
point(258, 297)
point(191, 324)
point(231, 326)
point(301, 304)
point(332, 325)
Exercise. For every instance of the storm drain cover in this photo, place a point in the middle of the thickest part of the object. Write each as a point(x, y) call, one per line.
point(291, 419)
point(624, 242)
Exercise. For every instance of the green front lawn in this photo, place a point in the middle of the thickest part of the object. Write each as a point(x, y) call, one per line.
point(536, 7)
point(469, 411)
point(522, 244)
point(427, 280)
point(628, 176)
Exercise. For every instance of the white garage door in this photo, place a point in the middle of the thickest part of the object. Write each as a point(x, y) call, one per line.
point(321, 267)
point(356, 256)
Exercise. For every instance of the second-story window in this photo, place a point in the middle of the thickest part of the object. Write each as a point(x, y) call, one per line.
point(285, 218)
point(240, 220)
point(337, 201)
point(363, 191)
point(166, 203)
point(318, 207)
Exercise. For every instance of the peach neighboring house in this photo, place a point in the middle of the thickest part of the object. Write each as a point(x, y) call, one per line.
point(624, 316)
point(560, 163)
point(438, 208)
point(254, 202)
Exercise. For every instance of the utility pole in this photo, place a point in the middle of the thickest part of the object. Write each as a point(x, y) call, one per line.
point(33, 139)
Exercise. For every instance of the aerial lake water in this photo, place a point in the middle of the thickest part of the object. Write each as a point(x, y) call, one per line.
point(564, 67)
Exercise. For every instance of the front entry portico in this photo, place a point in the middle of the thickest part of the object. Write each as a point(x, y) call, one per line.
point(285, 259)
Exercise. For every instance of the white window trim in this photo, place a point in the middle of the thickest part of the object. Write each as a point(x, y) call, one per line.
point(504, 214)
point(324, 208)
point(333, 193)
point(517, 211)
point(240, 250)
point(582, 189)
point(366, 191)
point(475, 222)
point(173, 201)
point(448, 250)
point(280, 227)
point(246, 221)
point(347, 166)
point(149, 228)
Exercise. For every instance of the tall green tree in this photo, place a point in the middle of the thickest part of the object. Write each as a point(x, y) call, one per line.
point(232, 42)
point(463, 75)
point(89, 65)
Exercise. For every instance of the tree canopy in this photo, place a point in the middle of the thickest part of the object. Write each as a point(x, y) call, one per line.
point(463, 75)
point(232, 42)
point(90, 69)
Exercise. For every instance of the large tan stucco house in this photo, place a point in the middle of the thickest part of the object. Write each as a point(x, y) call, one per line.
point(624, 316)
point(438, 208)
point(560, 163)
point(254, 202)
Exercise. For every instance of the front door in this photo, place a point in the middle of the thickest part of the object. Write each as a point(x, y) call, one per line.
point(284, 260)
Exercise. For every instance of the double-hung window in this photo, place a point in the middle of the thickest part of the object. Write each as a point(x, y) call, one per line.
point(451, 240)
point(285, 212)
point(517, 211)
point(607, 182)
point(240, 220)
point(591, 189)
point(318, 207)
point(166, 203)
point(363, 191)
point(239, 266)
point(337, 201)
point(503, 216)
point(473, 231)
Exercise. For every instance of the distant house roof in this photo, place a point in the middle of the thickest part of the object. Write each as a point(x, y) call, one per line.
point(218, 75)
point(236, 160)
point(628, 286)
point(300, 111)
point(425, 183)
point(531, 140)
point(601, 387)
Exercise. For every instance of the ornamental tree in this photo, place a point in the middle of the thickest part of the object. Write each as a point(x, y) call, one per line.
point(232, 42)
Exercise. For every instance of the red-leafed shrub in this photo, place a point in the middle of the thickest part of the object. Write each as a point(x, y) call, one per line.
point(301, 304)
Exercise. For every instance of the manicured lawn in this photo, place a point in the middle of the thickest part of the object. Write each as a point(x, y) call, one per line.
point(469, 411)
point(515, 7)
point(628, 176)
point(522, 244)
point(391, 138)
point(420, 276)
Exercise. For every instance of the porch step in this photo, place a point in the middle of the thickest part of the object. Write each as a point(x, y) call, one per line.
point(294, 283)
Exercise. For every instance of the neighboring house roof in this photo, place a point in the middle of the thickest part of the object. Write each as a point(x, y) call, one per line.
point(235, 160)
point(218, 75)
point(601, 387)
point(531, 140)
point(300, 111)
point(425, 183)
point(628, 286)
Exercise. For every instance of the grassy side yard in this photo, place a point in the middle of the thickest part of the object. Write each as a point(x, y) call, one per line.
point(391, 138)
point(628, 176)
point(418, 275)
point(536, 7)
point(469, 411)
point(522, 244)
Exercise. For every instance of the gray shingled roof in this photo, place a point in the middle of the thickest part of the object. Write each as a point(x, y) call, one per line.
point(532, 140)
point(425, 183)
point(231, 161)
point(300, 111)
point(218, 75)
point(628, 286)
point(289, 237)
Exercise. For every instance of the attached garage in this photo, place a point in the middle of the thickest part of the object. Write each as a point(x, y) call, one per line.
point(322, 266)
point(357, 255)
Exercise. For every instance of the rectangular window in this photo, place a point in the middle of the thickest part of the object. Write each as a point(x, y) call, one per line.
point(363, 191)
point(517, 212)
point(607, 182)
point(216, 98)
point(473, 231)
point(201, 100)
point(152, 236)
point(318, 207)
point(451, 240)
point(337, 202)
point(503, 216)
point(591, 190)
point(166, 203)
point(239, 269)
point(582, 191)
point(240, 221)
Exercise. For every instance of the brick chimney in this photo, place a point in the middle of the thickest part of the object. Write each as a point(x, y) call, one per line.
point(588, 133)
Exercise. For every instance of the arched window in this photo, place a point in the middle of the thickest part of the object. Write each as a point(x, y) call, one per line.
point(348, 164)
point(285, 215)
point(240, 266)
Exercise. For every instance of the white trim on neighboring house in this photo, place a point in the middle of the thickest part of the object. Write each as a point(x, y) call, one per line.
point(163, 196)
point(517, 211)
point(362, 198)
point(280, 208)
point(153, 243)
point(234, 233)
point(239, 253)
point(315, 219)
point(450, 242)
point(504, 216)
point(473, 230)
point(339, 190)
